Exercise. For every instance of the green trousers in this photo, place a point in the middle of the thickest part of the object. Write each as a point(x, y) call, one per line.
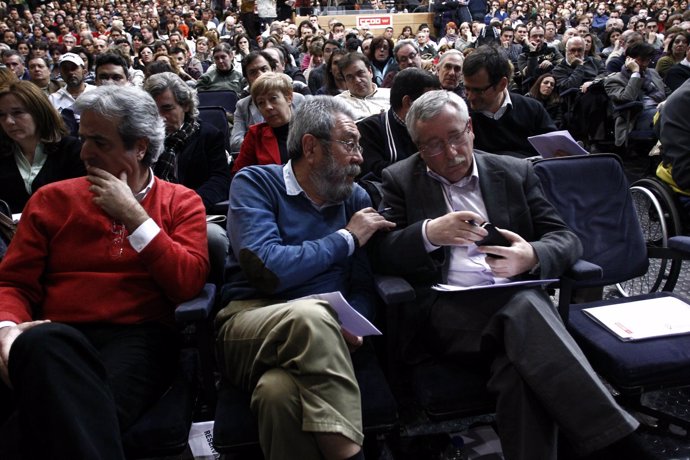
point(295, 360)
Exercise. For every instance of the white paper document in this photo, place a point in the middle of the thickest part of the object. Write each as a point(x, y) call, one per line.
point(644, 319)
point(452, 288)
point(350, 319)
point(556, 144)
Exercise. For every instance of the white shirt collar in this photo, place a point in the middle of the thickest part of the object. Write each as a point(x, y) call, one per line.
point(145, 191)
point(502, 109)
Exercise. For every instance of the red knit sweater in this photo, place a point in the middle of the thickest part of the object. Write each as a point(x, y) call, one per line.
point(60, 264)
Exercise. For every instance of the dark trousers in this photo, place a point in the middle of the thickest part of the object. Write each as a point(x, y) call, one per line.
point(542, 380)
point(76, 388)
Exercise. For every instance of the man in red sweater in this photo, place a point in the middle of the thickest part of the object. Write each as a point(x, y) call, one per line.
point(89, 285)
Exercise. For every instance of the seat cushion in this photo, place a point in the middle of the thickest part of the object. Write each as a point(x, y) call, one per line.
point(631, 366)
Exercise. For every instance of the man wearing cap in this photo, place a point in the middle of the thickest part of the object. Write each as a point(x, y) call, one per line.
point(73, 72)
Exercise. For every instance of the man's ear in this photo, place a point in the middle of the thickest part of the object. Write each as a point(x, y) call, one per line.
point(406, 103)
point(141, 146)
point(309, 147)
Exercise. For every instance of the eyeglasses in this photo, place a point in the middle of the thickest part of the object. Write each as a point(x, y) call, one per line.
point(479, 91)
point(455, 141)
point(351, 147)
point(409, 58)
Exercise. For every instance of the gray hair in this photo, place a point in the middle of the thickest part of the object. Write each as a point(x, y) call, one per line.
point(156, 85)
point(429, 105)
point(402, 43)
point(315, 116)
point(135, 113)
point(573, 40)
point(449, 53)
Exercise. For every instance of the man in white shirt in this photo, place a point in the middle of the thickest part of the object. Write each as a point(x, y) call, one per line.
point(73, 73)
point(362, 93)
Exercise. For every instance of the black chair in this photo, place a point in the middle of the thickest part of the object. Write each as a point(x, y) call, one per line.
point(222, 98)
point(216, 117)
point(592, 195)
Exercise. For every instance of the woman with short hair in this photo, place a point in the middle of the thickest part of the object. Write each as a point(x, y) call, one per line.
point(266, 142)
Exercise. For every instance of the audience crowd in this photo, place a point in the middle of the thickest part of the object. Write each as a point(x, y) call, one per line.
point(486, 75)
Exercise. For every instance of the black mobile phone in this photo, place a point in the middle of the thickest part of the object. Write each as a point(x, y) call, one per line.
point(494, 238)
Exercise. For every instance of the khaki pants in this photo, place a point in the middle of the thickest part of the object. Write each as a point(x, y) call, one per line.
point(294, 358)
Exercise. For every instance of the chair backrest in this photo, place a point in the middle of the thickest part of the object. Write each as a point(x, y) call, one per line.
point(222, 98)
point(215, 116)
point(592, 195)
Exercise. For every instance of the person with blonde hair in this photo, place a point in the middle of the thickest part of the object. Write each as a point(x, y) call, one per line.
point(35, 148)
point(266, 143)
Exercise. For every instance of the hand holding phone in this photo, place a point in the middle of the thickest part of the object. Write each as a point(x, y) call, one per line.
point(494, 238)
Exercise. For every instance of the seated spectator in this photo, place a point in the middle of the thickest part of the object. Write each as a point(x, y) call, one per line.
point(316, 77)
point(464, 39)
point(247, 113)
point(203, 53)
point(427, 48)
point(544, 91)
point(15, 62)
point(39, 75)
point(675, 52)
point(501, 121)
point(674, 135)
point(678, 73)
point(384, 136)
point(437, 197)
point(616, 60)
point(382, 61)
point(636, 82)
point(587, 115)
point(297, 230)
point(449, 70)
point(90, 283)
point(334, 82)
point(362, 93)
point(190, 68)
point(407, 54)
point(281, 57)
point(73, 71)
point(508, 47)
point(611, 42)
point(451, 35)
point(111, 69)
point(34, 144)
point(537, 57)
point(223, 76)
point(266, 142)
point(194, 151)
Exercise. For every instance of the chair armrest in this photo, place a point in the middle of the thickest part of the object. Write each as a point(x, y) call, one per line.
point(680, 244)
point(582, 270)
point(619, 109)
point(199, 308)
point(393, 289)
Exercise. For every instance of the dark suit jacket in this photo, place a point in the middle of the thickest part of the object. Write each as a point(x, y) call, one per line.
point(203, 166)
point(513, 198)
point(62, 162)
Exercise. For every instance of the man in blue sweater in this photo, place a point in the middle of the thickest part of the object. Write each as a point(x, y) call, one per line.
point(297, 230)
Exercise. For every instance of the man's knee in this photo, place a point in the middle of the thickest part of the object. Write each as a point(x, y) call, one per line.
point(313, 315)
point(276, 395)
point(42, 347)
